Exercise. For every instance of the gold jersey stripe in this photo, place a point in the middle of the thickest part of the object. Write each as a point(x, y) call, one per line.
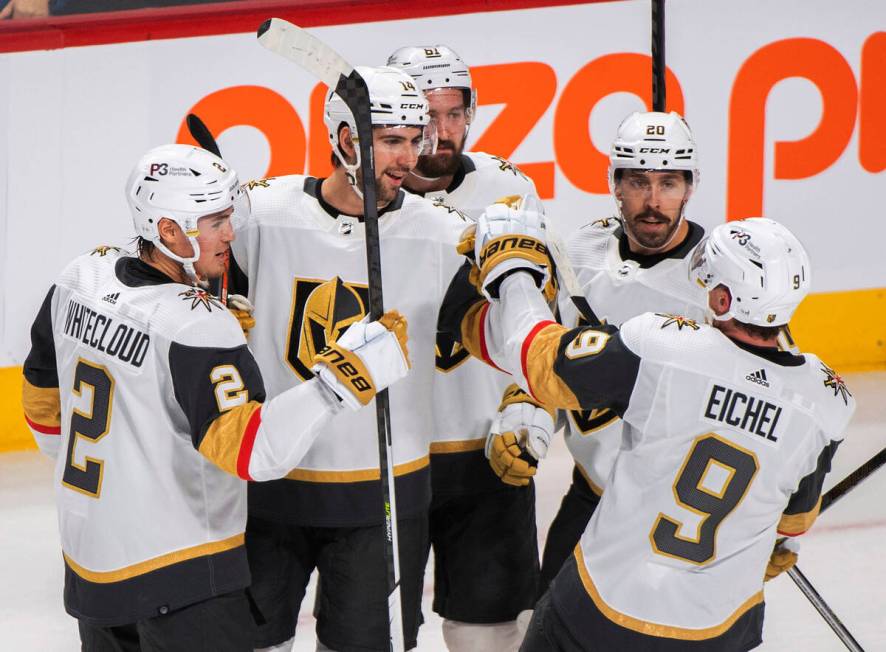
point(42, 405)
point(222, 441)
point(202, 550)
point(472, 336)
point(796, 524)
point(546, 385)
point(656, 629)
point(597, 490)
point(460, 446)
point(357, 475)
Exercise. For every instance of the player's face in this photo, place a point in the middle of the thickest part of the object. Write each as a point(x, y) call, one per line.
point(651, 204)
point(216, 235)
point(449, 115)
point(396, 153)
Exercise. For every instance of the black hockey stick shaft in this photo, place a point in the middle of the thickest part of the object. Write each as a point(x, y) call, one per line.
point(658, 55)
point(826, 612)
point(297, 45)
point(835, 493)
point(200, 132)
point(852, 480)
point(354, 92)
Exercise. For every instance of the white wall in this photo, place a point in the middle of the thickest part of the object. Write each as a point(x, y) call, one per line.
point(75, 121)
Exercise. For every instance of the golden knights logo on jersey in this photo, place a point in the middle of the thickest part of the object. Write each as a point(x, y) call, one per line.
point(836, 383)
point(321, 311)
point(104, 250)
point(200, 297)
point(677, 320)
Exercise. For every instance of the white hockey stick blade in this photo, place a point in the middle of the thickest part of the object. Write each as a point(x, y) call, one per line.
point(299, 46)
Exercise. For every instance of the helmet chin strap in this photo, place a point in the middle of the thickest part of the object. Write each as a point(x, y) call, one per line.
point(186, 263)
point(418, 176)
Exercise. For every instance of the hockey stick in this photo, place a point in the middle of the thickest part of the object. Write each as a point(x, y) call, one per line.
point(835, 493)
point(824, 610)
point(852, 480)
point(309, 52)
point(200, 132)
point(658, 55)
point(568, 277)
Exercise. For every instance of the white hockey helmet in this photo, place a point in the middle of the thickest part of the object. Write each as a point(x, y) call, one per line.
point(653, 141)
point(394, 102)
point(182, 183)
point(437, 66)
point(762, 263)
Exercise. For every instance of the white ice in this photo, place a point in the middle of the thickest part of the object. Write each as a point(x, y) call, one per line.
point(842, 555)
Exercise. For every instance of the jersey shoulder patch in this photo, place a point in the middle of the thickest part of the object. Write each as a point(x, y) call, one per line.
point(489, 165)
point(424, 219)
point(108, 250)
point(273, 196)
point(203, 319)
point(663, 337)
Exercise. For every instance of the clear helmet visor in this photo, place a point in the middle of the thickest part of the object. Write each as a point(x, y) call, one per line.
point(414, 140)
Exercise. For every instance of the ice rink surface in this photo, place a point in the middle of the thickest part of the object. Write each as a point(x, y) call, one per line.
point(842, 555)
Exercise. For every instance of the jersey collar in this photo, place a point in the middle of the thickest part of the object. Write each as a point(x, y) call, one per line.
point(312, 188)
point(135, 273)
point(695, 234)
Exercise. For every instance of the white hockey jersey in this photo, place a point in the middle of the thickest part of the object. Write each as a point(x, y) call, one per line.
point(619, 285)
point(144, 391)
point(724, 445)
point(306, 271)
point(467, 392)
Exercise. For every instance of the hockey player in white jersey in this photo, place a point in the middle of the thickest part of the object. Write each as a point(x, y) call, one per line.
point(302, 253)
point(725, 446)
point(140, 385)
point(626, 266)
point(478, 591)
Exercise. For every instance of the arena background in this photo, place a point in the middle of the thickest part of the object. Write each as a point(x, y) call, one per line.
point(786, 101)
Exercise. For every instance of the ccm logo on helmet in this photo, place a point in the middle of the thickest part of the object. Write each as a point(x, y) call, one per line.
point(412, 106)
point(510, 244)
point(347, 369)
point(654, 150)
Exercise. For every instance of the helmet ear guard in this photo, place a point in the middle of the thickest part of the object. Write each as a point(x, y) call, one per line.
point(763, 265)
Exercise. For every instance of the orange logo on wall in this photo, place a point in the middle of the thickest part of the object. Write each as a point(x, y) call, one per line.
point(527, 90)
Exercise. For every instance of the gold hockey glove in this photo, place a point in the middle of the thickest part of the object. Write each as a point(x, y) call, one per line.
point(242, 309)
point(783, 558)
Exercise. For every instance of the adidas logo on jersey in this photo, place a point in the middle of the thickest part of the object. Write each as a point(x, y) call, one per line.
point(758, 377)
point(111, 298)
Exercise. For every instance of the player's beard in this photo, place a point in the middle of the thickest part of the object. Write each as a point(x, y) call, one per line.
point(385, 189)
point(441, 164)
point(652, 239)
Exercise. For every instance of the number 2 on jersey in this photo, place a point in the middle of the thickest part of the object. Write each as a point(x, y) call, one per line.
point(87, 478)
point(713, 480)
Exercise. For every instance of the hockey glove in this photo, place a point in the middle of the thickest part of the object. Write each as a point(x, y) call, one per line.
point(519, 437)
point(242, 309)
point(510, 237)
point(783, 558)
point(466, 248)
point(367, 358)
